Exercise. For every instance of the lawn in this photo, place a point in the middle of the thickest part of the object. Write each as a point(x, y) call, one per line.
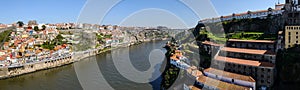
point(220, 39)
point(252, 36)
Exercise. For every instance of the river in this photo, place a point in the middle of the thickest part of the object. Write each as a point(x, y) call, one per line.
point(66, 77)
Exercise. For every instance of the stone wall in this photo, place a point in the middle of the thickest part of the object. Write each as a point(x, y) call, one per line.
point(7, 72)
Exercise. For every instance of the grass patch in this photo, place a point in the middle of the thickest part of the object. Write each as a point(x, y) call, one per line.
point(252, 36)
point(4, 36)
point(217, 38)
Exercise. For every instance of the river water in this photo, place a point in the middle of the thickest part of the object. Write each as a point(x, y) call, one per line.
point(70, 77)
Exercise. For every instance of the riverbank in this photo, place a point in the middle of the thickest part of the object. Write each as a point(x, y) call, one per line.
point(69, 77)
point(11, 72)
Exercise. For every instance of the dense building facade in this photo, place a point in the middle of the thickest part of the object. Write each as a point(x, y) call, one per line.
point(292, 34)
point(291, 12)
point(255, 58)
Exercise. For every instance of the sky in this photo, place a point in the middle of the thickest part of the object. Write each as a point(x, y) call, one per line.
point(170, 13)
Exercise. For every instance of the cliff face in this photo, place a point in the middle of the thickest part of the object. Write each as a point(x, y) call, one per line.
point(270, 24)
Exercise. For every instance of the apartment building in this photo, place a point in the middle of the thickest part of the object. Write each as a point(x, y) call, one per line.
point(291, 36)
point(252, 44)
point(255, 58)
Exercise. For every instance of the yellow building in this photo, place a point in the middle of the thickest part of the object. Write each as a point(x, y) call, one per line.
point(292, 34)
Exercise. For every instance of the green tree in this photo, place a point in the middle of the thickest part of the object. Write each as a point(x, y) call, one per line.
point(20, 23)
point(44, 27)
point(36, 28)
point(249, 14)
point(58, 40)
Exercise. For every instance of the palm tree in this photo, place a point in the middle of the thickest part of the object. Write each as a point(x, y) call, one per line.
point(222, 18)
point(36, 28)
point(44, 27)
point(269, 12)
point(233, 17)
point(249, 14)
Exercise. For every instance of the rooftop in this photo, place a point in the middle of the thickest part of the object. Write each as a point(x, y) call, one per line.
point(252, 41)
point(229, 74)
point(176, 55)
point(244, 61)
point(211, 43)
point(219, 84)
point(195, 73)
point(194, 88)
point(213, 82)
point(3, 57)
point(248, 51)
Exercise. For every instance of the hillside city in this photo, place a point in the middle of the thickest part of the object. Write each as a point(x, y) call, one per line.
point(254, 50)
point(251, 50)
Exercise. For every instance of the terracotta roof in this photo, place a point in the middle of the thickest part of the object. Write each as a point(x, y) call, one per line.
point(37, 51)
point(195, 73)
point(176, 55)
point(212, 43)
point(174, 58)
point(213, 82)
point(3, 57)
point(27, 55)
point(18, 56)
point(229, 74)
point(17, 42)
point(57, 47)
point(219, 84)
point(251, 41)
point(6, 44)
point(194, 88)
point(248, 51)
point(64, 45)
point(244, 61)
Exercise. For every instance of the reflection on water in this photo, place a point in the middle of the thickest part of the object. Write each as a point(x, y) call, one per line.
point(64, 78)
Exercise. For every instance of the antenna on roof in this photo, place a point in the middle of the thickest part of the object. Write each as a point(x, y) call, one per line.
point(278, 2)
